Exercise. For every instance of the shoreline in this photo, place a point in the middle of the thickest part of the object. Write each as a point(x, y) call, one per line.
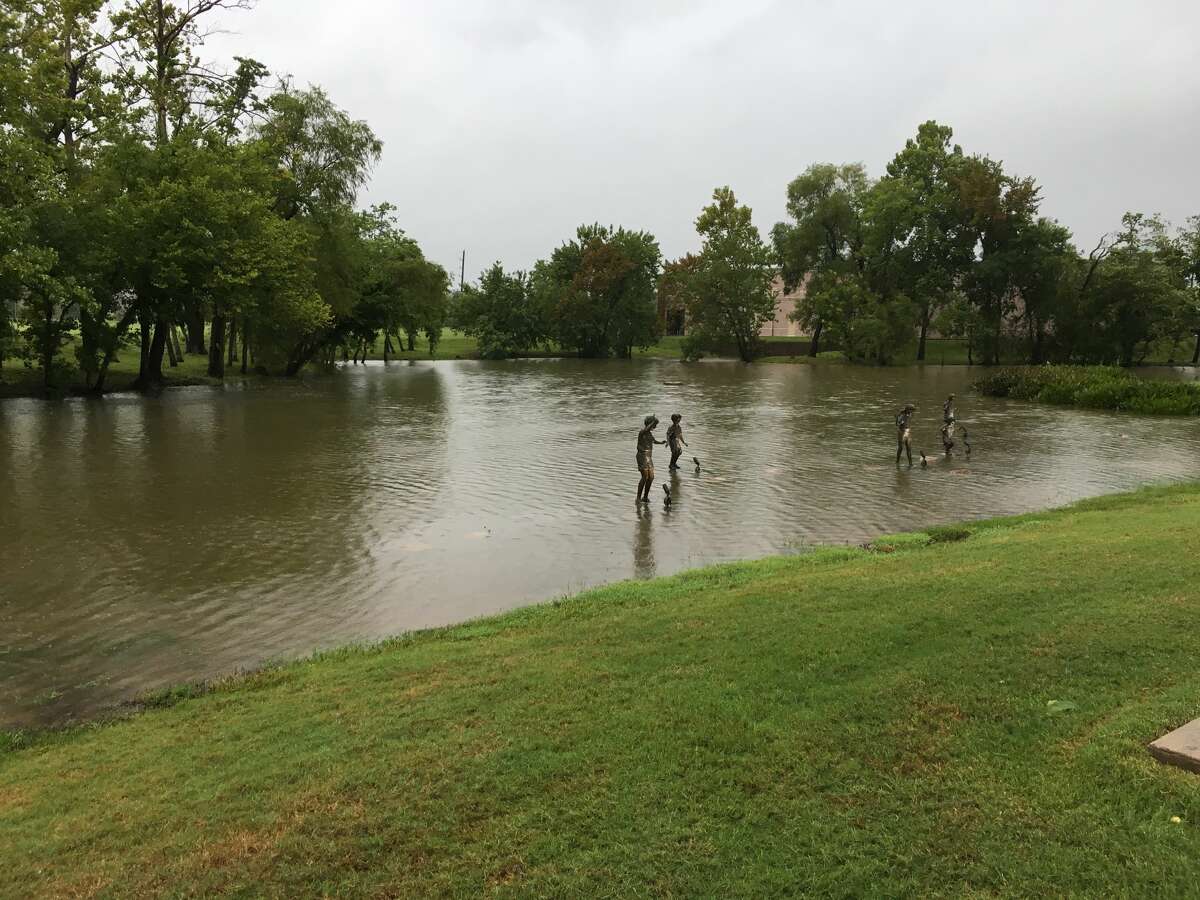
point(13, 739)
point(961, 710)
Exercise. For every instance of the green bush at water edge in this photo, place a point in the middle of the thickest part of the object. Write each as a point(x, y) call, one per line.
point(1093, 387)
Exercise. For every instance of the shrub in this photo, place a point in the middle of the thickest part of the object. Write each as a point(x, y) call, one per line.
point(1093, 387)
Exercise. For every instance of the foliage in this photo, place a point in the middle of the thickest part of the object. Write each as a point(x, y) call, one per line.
point(955, 242)
point(919, 242)
point(400, 291)
point(726, 289)
point(598, 291)
point(1096, 387)
point(825, 239)
point(866, 326)
point(502, 314)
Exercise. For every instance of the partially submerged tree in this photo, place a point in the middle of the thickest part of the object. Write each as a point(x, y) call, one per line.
point(825, 238)
point(502, 314)
point(727, 291)
point(598, 291)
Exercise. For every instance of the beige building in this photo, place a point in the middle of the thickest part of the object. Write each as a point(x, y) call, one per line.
point(673, 321)
point(785, 304)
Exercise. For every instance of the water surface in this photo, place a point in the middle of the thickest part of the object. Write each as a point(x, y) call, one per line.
point(146, 541)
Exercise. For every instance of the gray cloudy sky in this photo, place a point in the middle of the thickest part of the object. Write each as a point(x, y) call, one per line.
point(506, 123)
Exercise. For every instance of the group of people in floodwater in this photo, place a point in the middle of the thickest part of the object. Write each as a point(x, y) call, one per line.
point(645, 454)
point(904, 432)
point(646, 441)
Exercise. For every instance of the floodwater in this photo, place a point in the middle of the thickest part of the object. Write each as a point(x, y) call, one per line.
point(148, 541)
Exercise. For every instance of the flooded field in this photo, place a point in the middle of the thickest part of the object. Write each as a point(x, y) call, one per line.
point(146, 541)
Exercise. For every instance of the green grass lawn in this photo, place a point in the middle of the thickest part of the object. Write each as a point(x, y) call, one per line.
point(17, 380)
point(848, 722)
point(455, 345)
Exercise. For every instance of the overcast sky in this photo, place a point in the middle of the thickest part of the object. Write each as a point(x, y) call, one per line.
point(507, 123)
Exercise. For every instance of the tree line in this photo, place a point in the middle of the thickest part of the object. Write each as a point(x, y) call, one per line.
point(943, 242)
point(161, 203)
point(157, 202)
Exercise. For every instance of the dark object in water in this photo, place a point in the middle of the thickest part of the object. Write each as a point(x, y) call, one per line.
point(924, 462)
point(966, 443)
point(697, 462)
point(667, 499)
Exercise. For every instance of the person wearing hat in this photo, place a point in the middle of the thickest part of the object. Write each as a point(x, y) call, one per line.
point(904, 433)
point(645, 458)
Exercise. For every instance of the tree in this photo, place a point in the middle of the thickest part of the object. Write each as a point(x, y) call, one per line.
point(727, 292)
point(1138, 293)
point(1190, 243)
point(867, 326)
point(1044, 263)
point(501, 314)
point(999, 210)
point(598, 291)
point(919, 242)
point(400, 290)
point(825, 237)
point(321, 157)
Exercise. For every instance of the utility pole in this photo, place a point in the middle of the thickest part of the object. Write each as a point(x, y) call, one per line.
point(462, 274)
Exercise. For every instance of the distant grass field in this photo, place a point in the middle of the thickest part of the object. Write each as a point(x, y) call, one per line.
point(959, 712)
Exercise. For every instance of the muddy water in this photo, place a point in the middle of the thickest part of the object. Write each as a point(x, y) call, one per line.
point(150, 541)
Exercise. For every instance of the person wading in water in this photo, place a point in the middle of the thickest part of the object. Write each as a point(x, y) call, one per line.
point(904, 433)
point(645, 458)
point(948, 424)
point(675, 439)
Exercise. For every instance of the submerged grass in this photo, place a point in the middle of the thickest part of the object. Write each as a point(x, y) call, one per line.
point(964, 715)
point(1094, 387)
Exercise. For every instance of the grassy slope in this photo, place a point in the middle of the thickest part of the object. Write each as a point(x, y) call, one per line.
point(848, 722)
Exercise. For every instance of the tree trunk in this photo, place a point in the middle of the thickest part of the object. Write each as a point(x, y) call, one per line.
point(387, 346)
point(144, 349)
point(151, 375)
point(815, 347)
point(175, 341)
point(412, 344)
point(195, 333)
point(170, 344)
point(48, 343)
point(924, 334)
point(1196, 355)
point(245, 348)
point(231, 340)
point(216, 347)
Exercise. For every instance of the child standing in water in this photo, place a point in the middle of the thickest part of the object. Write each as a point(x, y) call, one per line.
point(948, 424)
point(904, 433)
point(676, 441)
point(645, 458)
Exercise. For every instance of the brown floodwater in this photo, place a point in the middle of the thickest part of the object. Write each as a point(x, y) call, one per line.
point(149, 541)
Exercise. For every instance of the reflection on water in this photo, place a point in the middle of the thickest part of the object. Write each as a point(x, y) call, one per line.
point(146, 541)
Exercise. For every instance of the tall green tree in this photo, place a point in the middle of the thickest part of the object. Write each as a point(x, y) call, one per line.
point(598, 291)
point(401, 291)
point(1190, 243)
point(824, 240)
point(502, 314)
point(1001, 212)
point(920, 243)
point(321, 158)
point(727, 291)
